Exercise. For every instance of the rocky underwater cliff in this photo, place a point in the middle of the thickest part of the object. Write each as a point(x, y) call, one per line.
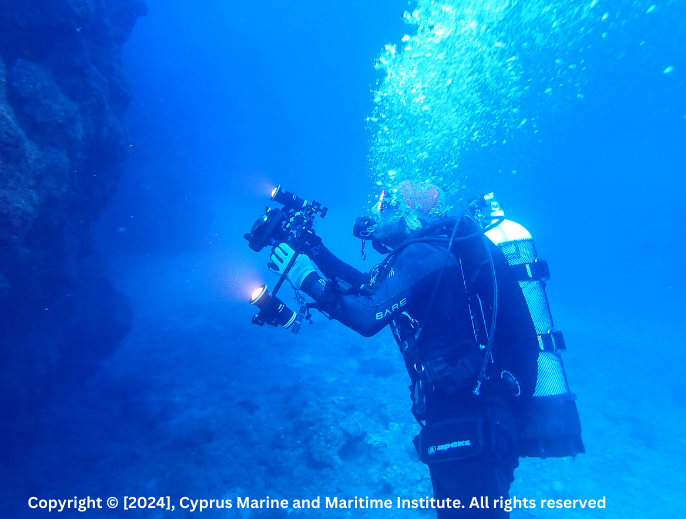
point(63, 94)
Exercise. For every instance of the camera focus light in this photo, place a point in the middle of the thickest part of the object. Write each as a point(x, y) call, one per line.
point(274, 191)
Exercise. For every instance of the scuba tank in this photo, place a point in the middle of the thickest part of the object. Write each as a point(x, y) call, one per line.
point(549, 424)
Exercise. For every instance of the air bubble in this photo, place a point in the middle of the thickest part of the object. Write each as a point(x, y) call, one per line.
point(430, 113)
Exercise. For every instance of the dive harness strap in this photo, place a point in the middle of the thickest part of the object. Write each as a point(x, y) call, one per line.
point(534, 271)
point(450, 373)
point(450, 376)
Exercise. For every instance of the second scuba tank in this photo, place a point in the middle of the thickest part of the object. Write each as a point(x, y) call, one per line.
point(549, 421)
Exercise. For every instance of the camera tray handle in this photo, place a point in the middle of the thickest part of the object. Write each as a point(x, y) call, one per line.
point(284, 276)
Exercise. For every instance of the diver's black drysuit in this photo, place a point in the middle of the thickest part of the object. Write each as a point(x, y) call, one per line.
point(470, 442)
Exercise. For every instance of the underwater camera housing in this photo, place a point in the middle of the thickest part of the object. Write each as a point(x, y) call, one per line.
point(291, 224)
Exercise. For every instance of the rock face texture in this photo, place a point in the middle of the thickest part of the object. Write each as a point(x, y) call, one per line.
point(63, 93)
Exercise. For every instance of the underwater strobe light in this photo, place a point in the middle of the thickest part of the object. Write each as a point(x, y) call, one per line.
point(272, 310)
point(287, 199)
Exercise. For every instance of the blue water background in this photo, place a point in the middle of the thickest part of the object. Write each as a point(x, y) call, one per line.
point(231, 99)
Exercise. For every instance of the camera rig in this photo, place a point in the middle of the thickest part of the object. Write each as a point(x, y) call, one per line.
point(291, 224)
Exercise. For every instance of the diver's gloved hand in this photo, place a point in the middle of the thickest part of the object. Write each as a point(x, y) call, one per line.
point(281, 256)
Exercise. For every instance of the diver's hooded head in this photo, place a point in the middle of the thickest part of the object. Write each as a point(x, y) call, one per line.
point(406, 209)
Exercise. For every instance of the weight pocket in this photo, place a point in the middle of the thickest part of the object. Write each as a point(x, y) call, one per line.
point(451, 440)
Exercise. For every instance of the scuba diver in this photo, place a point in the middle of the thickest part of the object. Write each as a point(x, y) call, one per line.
point(465, 301)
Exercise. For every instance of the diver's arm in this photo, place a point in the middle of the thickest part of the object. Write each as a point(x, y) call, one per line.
point(368, 314)
point(332, 267)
